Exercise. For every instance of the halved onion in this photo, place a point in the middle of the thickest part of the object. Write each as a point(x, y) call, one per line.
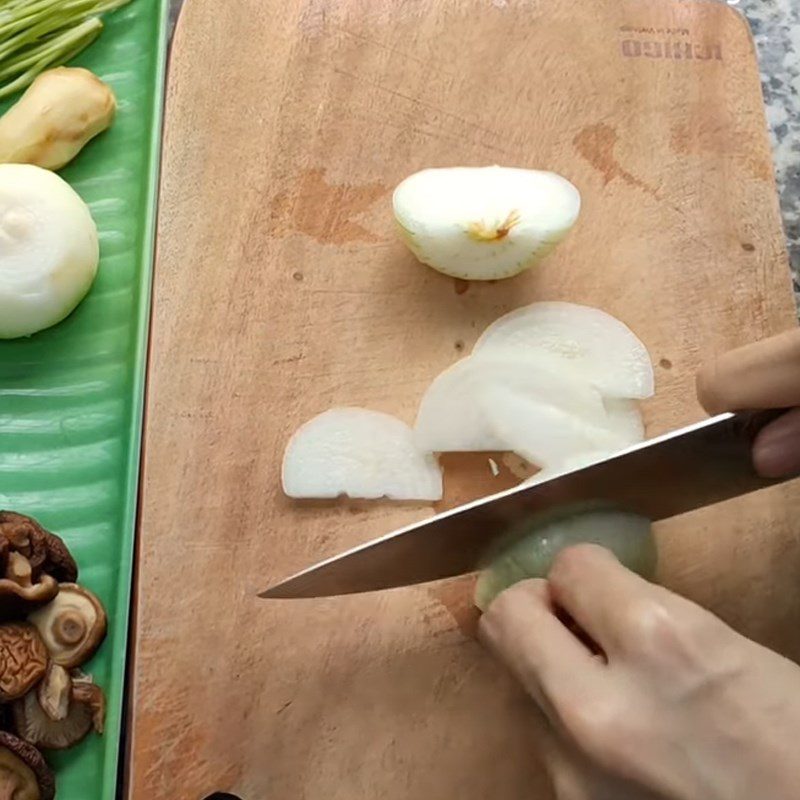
point(536, 542)
point(49, 249)
point(484, 223)
point(602, 349)
point(361, 454)
point(452, 415)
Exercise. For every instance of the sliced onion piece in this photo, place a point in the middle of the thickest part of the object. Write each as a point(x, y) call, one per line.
point(536, 543)
point(567, 465)
point(361, 454)
point(541, 433)
point(484, 223)
point(625, 420)
point(602, 349)
point(452, 415)
point(49, 249)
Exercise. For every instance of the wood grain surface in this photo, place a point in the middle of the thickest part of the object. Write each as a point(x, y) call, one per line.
point(281, 290)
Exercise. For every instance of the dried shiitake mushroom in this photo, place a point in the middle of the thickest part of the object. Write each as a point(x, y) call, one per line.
point(72, 625)
point(24, 774)
point(23, 660)
point(46, 552)
point(54, 692)
point(32, 562)
point(19, 593)
point(86, 710)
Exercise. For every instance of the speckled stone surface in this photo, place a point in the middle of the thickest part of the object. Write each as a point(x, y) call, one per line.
point(776, 29)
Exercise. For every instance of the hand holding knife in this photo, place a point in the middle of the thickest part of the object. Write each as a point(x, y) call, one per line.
point(699, 465)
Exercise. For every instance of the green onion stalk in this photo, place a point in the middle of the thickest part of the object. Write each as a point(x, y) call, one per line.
point(36, 35)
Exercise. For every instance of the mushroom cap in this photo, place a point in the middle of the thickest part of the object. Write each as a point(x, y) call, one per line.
point(46, 552)
point(86, 711)
point(23, 659)
point(85, 691)
point(72, 625)
point(23, 770)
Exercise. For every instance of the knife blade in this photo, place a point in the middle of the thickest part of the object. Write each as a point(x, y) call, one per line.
point(692, 467)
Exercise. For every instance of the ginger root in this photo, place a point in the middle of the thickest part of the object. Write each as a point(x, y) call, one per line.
point(59, 113)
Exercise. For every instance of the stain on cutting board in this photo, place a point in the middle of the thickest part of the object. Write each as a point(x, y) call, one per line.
point(325, 211)
point(597, 144)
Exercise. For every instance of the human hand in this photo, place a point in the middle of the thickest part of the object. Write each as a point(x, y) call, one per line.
point(757, 376)
point(677, 706)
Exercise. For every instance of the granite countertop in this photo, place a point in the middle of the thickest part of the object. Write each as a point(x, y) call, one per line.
point(776, 29)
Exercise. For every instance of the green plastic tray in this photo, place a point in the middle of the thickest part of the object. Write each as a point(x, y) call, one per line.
point(71, 397)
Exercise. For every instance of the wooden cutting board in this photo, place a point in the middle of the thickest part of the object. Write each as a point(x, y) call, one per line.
point(281, 290)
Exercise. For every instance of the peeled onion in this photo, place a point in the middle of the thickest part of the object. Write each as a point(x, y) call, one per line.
point(49, 249)
point(538, 541)
point(361, 454)
point(452, 415)
point(598, 346)
point(484, 223)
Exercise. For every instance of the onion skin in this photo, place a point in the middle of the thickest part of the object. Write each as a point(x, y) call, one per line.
point(537, 541)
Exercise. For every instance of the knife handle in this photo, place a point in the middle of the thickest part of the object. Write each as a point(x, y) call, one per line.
point(750, 423)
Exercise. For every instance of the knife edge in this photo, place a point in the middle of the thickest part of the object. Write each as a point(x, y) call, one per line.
point(701, 464)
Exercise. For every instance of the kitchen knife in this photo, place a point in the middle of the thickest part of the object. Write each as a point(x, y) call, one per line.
point(693, 467)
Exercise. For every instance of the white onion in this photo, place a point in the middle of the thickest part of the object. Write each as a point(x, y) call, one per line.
point(601, 348)
point(578, 461)
point(538, 541)
point(624, 420)
point(361, 454)
point(541, 433)
point(484, 223)
point(49, 249)
point(452, 415)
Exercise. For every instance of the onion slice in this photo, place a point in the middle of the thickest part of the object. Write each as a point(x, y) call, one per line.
point(452, 416)
point(484, 223)
point(544, 434)
point(624, 419)
point(570, 464)
point(601, 349)
point(361, 454)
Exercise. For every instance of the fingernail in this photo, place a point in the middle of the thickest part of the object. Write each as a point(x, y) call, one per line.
point(776, 451)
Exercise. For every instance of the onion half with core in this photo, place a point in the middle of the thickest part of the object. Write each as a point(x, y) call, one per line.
point(484, 223)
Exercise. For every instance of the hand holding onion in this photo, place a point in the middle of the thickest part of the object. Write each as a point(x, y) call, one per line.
point(656, 698)
point(623, 669)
